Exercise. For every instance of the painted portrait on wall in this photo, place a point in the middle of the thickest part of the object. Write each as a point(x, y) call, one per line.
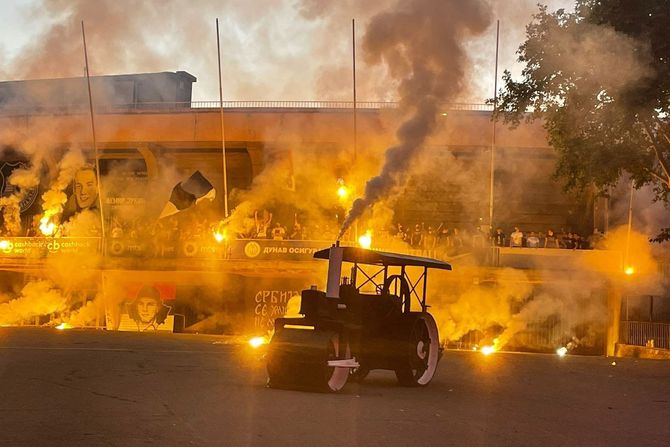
point(84, 195)
point(146, 309)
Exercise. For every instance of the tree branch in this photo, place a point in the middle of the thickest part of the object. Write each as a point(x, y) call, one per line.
point(665, 181)
point(657, 151)
point(660, 126)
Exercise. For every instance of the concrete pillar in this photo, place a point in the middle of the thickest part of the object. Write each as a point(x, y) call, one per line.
point(613, 317)
point(147, 152)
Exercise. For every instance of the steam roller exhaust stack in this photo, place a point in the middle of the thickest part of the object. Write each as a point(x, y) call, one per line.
point(344, 333)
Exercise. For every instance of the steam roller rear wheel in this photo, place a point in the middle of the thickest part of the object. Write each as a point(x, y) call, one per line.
point(421, 353)
point(298, 359)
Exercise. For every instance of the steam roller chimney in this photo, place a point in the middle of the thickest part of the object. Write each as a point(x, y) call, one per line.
point(334, 270)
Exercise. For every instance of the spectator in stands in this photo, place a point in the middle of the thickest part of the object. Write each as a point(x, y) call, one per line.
point(479, 237)
point(551, 241)
point(399, 236)
point(262, 224)
point(278, 232)
point(444, 236)
point(429, 241)
point(516, 238)
point(533, 241)
point(569, 241)
point(595, 239)
point(296, 231)
point(465, 238)
point(456, 238)
point(499, 238)
point(416, 238)
point(34, 228)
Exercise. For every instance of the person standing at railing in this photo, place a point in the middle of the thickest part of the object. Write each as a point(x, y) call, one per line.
point(296, 231)
point(516, 238)
point(416, 238)
point(278, 232)
point(429, 242)
point(499, 238)
point(551, 241)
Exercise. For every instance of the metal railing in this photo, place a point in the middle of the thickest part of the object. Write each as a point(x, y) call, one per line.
point(644, 333)
point(33, 109)
point(664, 268)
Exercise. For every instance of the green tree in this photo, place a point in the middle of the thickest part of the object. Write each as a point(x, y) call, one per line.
point(599, 77)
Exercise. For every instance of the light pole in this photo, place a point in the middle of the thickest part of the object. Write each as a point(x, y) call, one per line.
point(628, 269)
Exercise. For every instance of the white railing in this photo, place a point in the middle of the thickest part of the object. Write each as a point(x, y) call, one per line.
point(33, 109)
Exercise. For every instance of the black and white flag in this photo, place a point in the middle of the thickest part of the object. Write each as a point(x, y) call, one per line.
point(187, 193)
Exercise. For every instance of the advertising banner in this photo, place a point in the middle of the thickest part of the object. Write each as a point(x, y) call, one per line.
point(41, 247)
point(267, 249)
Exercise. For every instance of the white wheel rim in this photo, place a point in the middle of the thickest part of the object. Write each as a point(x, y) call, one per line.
point(432, 351)
point(340, 375)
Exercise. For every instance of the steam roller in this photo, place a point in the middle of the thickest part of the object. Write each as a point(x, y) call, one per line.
point(361, 322)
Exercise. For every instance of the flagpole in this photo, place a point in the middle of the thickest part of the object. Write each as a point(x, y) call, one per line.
point(95, 144)
point(353, 72)
point(223, 138)
point(353, 57)
point(630, 224)
point(493, 136)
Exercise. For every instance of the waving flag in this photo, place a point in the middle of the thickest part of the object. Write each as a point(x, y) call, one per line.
point(187, 193)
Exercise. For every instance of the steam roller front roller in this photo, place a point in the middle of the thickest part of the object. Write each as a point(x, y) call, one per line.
point(420, 351)
point(304, 359)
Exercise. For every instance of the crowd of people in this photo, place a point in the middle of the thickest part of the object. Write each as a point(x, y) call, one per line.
point(267, 226)
point(423, 237)
point(428, 237)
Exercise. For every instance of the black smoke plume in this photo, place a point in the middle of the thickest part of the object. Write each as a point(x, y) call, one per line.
point(422, 42)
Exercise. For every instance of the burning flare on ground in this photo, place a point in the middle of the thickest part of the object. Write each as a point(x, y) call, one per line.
point(488, 350)
point(257, 342)
point(64, 326)
point(562, 351)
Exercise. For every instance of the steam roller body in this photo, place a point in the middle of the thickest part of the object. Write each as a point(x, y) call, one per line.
point(344, 332)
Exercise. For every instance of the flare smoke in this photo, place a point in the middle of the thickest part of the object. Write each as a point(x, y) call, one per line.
point(421, 41)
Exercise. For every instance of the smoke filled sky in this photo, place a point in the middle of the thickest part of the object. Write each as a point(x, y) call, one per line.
point(274, 50)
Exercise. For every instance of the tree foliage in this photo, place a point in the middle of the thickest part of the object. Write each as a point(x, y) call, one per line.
point(599, 77)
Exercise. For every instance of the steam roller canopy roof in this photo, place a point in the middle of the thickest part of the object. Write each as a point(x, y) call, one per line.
point(373, 257)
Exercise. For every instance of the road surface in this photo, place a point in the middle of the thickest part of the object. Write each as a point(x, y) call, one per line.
point(98, 388)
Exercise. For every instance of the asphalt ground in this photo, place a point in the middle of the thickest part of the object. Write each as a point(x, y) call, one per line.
point(98, 388)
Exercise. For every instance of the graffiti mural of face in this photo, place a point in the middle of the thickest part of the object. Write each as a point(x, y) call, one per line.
point(147, 308)
point(85, 188)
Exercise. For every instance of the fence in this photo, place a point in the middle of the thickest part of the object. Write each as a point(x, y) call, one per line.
point(643, 333)
point(542, 336)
